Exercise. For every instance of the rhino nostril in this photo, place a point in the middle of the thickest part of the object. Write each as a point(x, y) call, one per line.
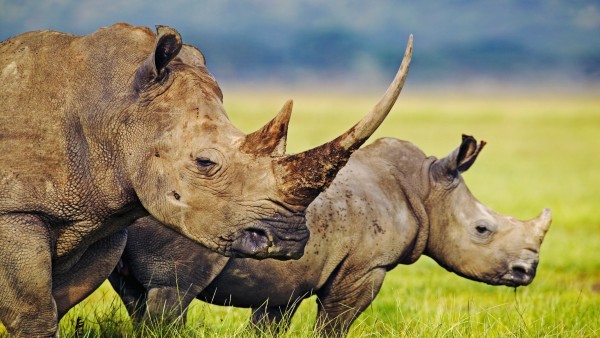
point(520, 270)
point(257, 234)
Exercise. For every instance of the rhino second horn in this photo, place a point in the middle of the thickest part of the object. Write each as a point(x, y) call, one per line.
point(303, 176)
point(271, 139)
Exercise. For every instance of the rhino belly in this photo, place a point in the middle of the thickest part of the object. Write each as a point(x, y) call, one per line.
point(250, 283)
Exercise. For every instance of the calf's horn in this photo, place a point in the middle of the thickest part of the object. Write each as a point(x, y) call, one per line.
point(542, 223)
point(303, 176)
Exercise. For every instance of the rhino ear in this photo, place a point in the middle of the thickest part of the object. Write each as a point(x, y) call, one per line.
point(467, 153)
point(192, 56)
point(154, 69)
point(460, 160)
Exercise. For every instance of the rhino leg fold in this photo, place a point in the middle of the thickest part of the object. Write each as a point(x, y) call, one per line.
point(273, 320)
point(27, 308)
point(344, 298)
point(88, 273)
point(167, 305)
point(131, 292)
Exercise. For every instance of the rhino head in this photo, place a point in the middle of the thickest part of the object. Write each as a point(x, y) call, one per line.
point(470, 239)
point(239, 195)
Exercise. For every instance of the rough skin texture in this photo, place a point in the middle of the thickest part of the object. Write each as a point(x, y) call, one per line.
point(388, 206)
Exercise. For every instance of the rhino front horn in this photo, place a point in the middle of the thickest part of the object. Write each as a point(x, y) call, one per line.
point(303, 176)
point(542, 222)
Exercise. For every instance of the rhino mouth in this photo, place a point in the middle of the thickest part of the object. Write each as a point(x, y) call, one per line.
point(519, 274)
point(279, 237)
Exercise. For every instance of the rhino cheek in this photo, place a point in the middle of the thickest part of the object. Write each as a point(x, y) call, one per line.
point(454, 249)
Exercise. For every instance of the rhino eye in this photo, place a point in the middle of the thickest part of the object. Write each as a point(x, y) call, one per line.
point(204, 162)
point(482, 229)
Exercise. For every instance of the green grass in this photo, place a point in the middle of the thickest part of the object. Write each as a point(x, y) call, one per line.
point(543, 151)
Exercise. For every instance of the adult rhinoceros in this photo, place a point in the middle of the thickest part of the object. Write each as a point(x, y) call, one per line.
point(388, 206)
point(99, 130)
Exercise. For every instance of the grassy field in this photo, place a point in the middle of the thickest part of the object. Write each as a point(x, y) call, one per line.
point(543, 151)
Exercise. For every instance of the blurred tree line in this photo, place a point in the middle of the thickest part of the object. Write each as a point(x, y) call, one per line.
point(530, 40)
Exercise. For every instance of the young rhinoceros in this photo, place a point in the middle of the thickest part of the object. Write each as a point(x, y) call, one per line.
point(388, 206)
point(99, 130)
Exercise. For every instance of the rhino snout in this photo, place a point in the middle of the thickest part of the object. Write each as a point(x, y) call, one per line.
point(520, 273)
point(269, 239)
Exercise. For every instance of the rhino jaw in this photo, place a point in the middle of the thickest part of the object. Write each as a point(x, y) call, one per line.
point(268, 238)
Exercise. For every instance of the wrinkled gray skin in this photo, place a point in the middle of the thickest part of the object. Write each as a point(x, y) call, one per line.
point(388, 206)
point(99, 130)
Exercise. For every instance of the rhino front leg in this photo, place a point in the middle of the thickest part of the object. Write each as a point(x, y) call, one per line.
point(27, 308)
point(92, 269)
point(274, 319)
point(344, 298)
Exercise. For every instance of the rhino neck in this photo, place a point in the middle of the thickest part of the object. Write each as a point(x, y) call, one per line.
point(409, 167)
point(414, 189)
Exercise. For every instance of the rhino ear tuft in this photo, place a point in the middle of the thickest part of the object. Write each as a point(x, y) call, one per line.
point(192, 56)
point(460, 160)
point(467, 152)
point(167, 46)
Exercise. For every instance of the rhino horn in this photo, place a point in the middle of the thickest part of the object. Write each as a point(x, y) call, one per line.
point(272, 137)
point(304, 175)
point(541, 223)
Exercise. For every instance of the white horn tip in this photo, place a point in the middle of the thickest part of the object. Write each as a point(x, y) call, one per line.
point(546, 213)
point(545, 219)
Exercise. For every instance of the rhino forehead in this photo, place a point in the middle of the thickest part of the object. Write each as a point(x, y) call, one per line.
point(483, 210)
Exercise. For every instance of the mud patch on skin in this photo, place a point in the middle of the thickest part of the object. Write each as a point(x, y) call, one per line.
point(377, 229)
point(309, 173)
